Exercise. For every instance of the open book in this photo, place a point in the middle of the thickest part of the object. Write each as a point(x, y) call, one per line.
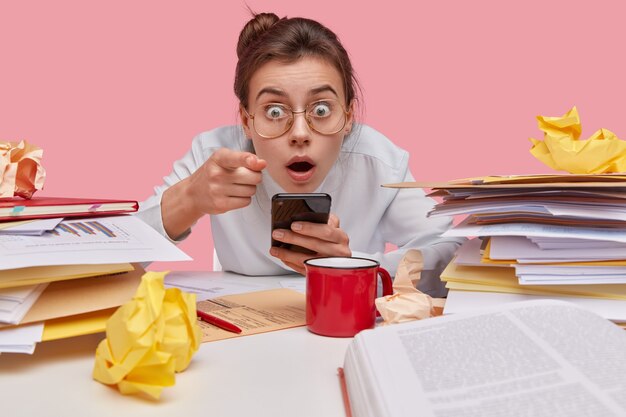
point(533, 358)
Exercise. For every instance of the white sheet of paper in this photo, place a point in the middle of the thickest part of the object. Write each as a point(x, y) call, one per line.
point(569, 280)
point(533, 229)
point(18, 294)
point(518, 247)
point(100, 240)
point(463, 301)
point(22, 339)
point(548, 243)
point(16, 309)
point(531, 261)
point(35, 228)
point(7, 306)
point(481, 207)
point(206, 286)
point(582, 270)
point(469, 255)
point(296, 284)
point(591, 212)
point(556, 209)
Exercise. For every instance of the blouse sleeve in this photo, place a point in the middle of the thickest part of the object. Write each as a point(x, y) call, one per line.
point(405, 224)
point(150, 209)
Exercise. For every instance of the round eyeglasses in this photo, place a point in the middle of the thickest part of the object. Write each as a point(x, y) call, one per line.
point(272, 120)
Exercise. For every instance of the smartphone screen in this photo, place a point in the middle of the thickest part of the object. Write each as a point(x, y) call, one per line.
point(290, 207)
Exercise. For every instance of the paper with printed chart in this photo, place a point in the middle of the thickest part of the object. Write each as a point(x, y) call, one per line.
point(102, 240)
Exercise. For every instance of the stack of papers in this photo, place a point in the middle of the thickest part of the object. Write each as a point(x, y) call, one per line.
point(473, 284)
point(538, 236)
point(15, 302)
point(61, 278)
point(22, 339)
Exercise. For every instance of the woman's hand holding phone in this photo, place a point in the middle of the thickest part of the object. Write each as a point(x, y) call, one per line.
point(322, 239)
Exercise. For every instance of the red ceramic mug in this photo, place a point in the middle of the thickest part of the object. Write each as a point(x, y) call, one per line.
point(340, 293)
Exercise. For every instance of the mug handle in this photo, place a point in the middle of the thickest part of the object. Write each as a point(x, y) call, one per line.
point(386, 279)
point(387, 284)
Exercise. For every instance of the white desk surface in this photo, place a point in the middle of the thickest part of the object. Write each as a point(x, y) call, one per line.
point(284, 373)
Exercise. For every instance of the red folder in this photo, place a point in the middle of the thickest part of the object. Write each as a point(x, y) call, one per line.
point(46, 207)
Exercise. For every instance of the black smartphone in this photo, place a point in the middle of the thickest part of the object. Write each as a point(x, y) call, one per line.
point(291, 207)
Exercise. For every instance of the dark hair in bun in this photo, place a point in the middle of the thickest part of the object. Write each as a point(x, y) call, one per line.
point(267, 37)
point(253, 29)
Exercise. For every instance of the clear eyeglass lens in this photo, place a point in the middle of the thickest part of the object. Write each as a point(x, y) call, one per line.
point(324, 116)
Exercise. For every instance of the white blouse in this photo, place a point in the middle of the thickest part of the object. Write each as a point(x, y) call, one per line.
point(371, 215)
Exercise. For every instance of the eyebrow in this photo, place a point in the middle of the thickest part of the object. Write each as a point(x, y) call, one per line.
point(281, 93)
point(271, 90)
point(322, 89)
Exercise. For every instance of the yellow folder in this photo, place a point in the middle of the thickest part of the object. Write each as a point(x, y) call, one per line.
point(70, 298)
point(82, 306)
point(10, 278)
point(78, 325)
point(485, 259)
point(487, 279)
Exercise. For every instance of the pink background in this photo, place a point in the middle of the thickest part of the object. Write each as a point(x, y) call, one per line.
point(114, 91)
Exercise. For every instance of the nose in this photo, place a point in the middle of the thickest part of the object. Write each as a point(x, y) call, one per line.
point(300, 132)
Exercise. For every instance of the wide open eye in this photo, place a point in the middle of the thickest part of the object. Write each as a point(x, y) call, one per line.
point(274, 112)
point(321, 109)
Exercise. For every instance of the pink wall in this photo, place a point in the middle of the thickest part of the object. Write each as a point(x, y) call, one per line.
point(114, 91)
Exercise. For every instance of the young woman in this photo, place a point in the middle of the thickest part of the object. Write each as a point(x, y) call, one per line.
point(297, 94)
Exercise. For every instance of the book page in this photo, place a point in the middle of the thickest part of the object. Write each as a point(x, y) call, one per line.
point(539, 358)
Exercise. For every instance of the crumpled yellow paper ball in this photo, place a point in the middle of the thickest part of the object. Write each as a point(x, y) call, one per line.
point(21, 172)
point(561, 149)
point(149, 339)
point(408, 303)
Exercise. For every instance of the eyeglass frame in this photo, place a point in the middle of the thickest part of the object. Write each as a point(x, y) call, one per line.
point(293, 118)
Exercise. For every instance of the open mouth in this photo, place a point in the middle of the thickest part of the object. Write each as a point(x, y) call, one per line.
point(301, 169)
point(302, 166)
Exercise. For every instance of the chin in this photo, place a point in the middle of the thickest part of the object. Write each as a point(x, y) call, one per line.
point(299, 188)
point(296, 187)
point(291, 186)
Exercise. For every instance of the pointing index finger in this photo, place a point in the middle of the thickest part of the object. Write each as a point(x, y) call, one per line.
point(231, 160)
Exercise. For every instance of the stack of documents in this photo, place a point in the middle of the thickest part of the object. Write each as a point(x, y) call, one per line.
point(15, 302)
point(540, 236)
point(62, 278)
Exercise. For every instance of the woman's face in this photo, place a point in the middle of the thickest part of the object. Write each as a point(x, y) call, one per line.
point(299, 159)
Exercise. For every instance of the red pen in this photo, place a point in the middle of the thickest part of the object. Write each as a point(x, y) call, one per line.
point(216, 321)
